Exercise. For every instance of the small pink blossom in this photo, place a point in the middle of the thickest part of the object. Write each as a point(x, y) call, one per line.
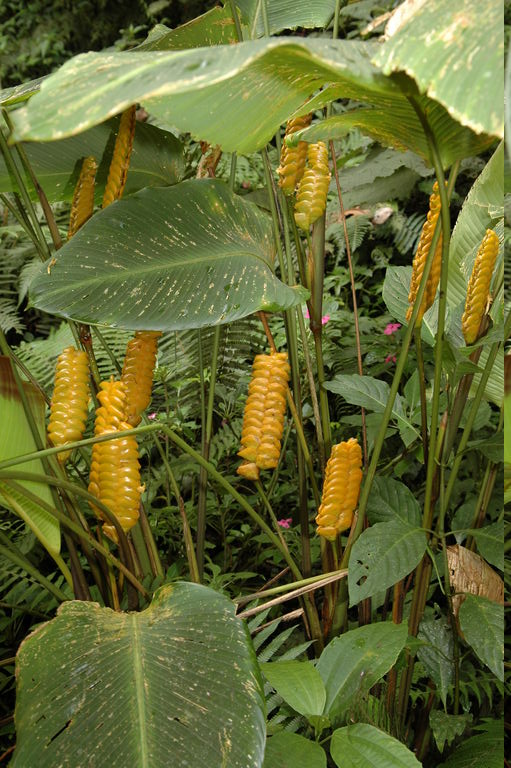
point(306, 315)
point(152, 416)
point(390, 358)
point(325, 319)
point(391, 328)
point(285, 522)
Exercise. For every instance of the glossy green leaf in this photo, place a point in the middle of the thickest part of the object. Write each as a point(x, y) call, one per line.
point(485, 749)
point(186, 256)
point(455, 53)
point(482, 623)
point(290, 750)
point(285, 14)
point(436, 654)
point(390, 499)
point(175, 684)
point(351, 664)
point(215, 27)
point(372, 394)
point(233, 95)
point(16, 439)
point(299, 683)
point(156, 161)
point(364, 746)
point(382, 555)
point(490, 543)
point(447, 727)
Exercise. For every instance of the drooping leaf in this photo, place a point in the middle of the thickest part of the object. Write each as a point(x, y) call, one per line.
point(490, 543)
point(290, 750)
point(485, 749)
point(455, 53)
point(232, 95)
point(16, 439)
point(176, 683)
point(299, 683)
point(437, 655)
point(390, 499)
point(352, 663)
point(372, 394)
point(156, 161)
point(482, 623)
point(187, 256)
point(286, 14)
point(382, 555)
point(215, 27)
point(447, 727)
point(362, 745)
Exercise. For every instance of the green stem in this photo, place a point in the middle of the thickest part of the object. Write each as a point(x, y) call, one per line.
point(422, 389)
point(235, 18)
point(317, 252)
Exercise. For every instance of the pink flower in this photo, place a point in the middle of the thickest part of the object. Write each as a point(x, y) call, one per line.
point(151, 416)
point(285, 522)
point(325, 319)
point(306, 315)
point(390, 358)
point(391, 328)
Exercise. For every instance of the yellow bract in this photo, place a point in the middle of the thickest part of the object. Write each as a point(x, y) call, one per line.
point(420, 260)
point(340, 490)
point(313, 188)
point(292, 159)
point(137, 373)
point(478, 290)
point(83, 197)
point(120, 163)
point(70, 401)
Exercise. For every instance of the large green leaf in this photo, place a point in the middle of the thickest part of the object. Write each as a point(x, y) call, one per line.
point(290, 750)
point(285, 14)
point(175, 684)
point(233, 95)
point(389, 499)
point(215, 27)
point(482, 623)
point(299, 683)
point(436, 654)
point(455, 53)
point(186, 256)
point(352, 663)
point(364, 746)
point(16, 439)
point(490, 543)
point(372, 394)
point(485, 749)
point(156, 161)
point(382, 555)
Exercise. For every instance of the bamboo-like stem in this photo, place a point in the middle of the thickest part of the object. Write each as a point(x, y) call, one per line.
point(317, 255)
point(235, 18)
point(352, 280)
point(269, 509)
point(422, 390)
point(312, 385)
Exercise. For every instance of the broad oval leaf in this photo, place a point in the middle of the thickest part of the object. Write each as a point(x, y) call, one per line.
point(299, 683)
point(482, 623)
point(352, 663)
point(382, 555)
point(187, 256)
point(290, 750)
point(484, 749)
point(177, 683)
point(437, 653)
point(389, 499)
point(156, 160)
point(232, 95)
point(455, 53)
point(490, 542)
point(364, 745)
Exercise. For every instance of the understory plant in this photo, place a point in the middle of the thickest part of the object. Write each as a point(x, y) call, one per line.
point(264, 252)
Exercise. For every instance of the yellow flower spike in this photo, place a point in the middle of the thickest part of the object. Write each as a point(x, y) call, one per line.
point(478, 290)
point(137, 373)
point(82, 206)
point(263, 420)
point(120, 162)
point(70, 401)
point(292, 159)
point(419, 260)
point(112, 396)
point(341, 489)
point(313, 188)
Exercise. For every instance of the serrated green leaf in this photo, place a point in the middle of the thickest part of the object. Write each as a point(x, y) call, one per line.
point(486, 749)
point(429, 40)
point(389, 499)
point(372, 394)
point(299, 683)
point(382, 555)
point(352, 663)
point(437, 654)
point(176, 683)
point(364, 746)
point(290, 750)
point(482, 623)
point(446, 727)
point(187, 256)
point(16, 439)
